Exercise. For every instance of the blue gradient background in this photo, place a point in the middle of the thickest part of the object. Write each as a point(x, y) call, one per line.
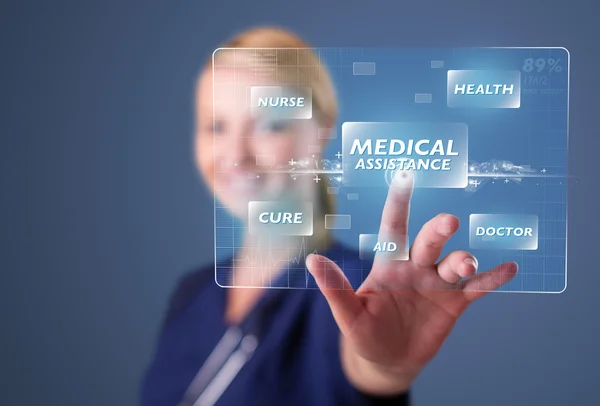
point(102, 211)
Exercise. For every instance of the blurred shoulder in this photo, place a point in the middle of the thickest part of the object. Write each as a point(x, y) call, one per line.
point(186, 289)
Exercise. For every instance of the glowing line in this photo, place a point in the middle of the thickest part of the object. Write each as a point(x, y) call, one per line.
point(512, 175)
point(305, 171)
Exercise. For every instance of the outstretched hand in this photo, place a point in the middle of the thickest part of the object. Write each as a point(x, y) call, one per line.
point(397, 320)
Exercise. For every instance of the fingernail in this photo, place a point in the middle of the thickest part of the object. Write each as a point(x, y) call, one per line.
point(446, 223)
point(516, 265)
point(445, 227)
point(445, 230)
point(472, 261)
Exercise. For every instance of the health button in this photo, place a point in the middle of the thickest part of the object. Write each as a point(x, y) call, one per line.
point(484, 88)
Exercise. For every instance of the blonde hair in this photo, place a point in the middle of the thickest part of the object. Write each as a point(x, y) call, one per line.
point(287, 59)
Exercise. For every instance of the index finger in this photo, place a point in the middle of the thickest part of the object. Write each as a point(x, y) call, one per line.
point(394, 219)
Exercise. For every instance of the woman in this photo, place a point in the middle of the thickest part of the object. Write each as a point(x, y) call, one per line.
point(299, 347)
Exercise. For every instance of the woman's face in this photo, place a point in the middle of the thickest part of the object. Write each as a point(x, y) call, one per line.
point(245, 158)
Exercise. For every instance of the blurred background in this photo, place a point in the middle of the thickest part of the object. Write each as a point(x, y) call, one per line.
point(101, 210)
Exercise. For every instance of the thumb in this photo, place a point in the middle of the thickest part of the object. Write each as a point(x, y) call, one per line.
point(344, 303)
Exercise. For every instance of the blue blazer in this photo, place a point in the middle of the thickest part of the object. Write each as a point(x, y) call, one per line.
point(285, 352)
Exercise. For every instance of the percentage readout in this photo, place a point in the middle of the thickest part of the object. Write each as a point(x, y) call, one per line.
point(541, 64)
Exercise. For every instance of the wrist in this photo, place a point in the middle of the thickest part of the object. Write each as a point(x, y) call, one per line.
point(373, 378)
